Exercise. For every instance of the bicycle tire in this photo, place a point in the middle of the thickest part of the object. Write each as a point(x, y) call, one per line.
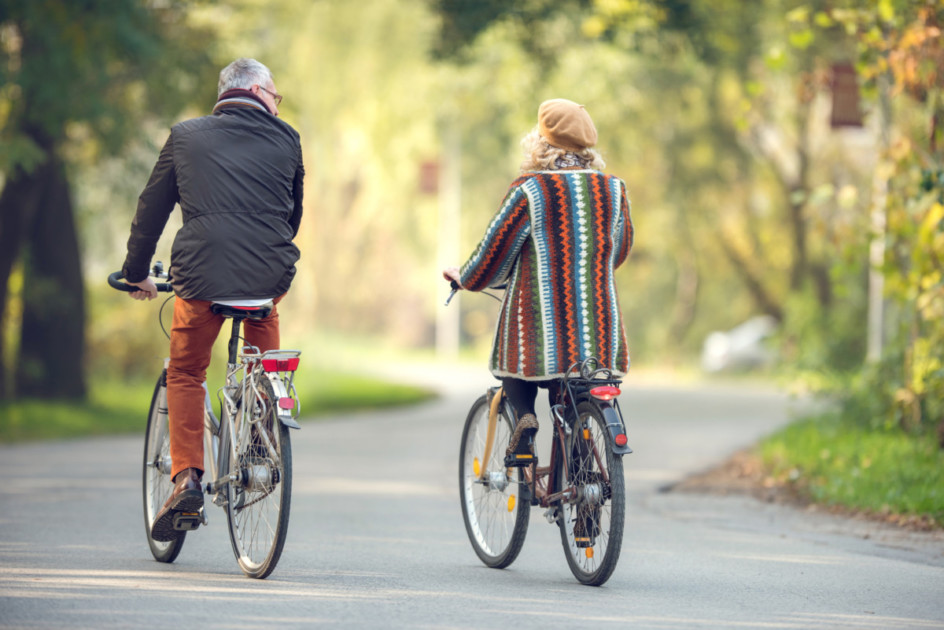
point(259, 501)
point(495, 516)
point(592, 526)
point(156, 482)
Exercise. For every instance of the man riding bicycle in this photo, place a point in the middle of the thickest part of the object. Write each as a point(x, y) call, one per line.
point(238, 177)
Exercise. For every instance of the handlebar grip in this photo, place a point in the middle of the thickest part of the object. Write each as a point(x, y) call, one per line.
point(115, 281)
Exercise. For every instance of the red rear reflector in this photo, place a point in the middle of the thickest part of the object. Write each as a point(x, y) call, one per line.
point(289, 403)
point(620, 439)
point(280, 365)
point(605, 392)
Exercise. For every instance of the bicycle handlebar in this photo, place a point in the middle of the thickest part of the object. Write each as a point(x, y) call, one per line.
point(115, 281)
point(456, 288)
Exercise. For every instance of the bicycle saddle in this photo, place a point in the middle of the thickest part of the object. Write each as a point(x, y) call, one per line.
point(242, 312)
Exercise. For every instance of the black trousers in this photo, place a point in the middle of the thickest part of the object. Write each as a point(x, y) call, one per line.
point(522, 394)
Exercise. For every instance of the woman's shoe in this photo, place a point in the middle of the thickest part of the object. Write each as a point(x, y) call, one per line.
point(520, 451)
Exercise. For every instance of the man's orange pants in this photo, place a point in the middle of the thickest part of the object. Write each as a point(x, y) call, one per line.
point(192, 335)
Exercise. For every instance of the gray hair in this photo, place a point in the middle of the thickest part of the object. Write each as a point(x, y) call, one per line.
point(243, 73)
point(540, 155)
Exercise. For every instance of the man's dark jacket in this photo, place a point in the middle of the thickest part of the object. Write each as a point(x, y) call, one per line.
point(237, 176)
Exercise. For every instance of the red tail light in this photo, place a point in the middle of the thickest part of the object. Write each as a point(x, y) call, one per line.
point(620, 439)
point(605, 392)
point(280, 365)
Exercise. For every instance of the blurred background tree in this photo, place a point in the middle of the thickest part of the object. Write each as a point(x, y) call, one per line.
point(783, 159)
point(76, 81)
point(779, 175)
point(901, 57)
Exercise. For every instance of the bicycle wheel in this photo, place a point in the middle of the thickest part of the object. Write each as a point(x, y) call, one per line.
point(259, 500)
point(496, 518)
point(592, 525)
point(156, 480)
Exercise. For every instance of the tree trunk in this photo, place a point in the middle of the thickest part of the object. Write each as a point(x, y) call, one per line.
point(50, 363)
point(18, 203)
point(751, 276)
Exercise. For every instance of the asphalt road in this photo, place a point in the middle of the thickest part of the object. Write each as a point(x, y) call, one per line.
point(377, 540)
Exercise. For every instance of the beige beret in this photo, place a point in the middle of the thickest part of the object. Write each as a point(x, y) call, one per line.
point(566, 125)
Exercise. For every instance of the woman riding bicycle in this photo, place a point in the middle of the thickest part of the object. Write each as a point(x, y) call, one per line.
point(561, 231)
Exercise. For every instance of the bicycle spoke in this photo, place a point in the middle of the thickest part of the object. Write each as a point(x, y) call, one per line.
point(260, 497)
point(157, 484)
point(495, 518)
point(592, 527)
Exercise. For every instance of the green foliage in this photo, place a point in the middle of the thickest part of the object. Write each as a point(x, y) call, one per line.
point(463, 21)
point(101, 65)
point(914, 367)
point(837, 462)
point(815, 337)
point(900, 52)
point(77, 81)
point(531, 21)
point(330, 392)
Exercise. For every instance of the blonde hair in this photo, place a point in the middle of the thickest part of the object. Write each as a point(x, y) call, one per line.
point(540, 155)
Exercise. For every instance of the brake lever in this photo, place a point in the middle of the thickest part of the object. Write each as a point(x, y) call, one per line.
point(452, 294)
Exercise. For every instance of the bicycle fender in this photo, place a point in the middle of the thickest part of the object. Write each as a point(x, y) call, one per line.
point(614, 423)
point(284, 415)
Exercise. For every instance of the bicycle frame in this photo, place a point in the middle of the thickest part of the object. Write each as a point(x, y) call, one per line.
point(538, 479)
point(589, 511)
point(247, 449)
point(253, 365)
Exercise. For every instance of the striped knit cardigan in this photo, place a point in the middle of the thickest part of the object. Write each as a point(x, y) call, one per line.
point(556, 241)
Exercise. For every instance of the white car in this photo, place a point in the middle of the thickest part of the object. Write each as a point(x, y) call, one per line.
point(741, 348)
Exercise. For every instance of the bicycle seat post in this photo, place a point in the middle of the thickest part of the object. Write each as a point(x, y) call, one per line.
point(234, 340)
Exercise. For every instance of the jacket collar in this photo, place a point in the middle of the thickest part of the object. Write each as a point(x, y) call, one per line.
point(239, 98)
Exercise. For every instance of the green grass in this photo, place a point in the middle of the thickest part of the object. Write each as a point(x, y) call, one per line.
point(842, 464)
point(114, 408)
point(331, 392)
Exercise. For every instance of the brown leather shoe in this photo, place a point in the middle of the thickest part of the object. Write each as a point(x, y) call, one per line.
point(187, 497)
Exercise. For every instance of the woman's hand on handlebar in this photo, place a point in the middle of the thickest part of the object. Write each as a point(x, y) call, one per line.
point(147, 289)
point(454, 276)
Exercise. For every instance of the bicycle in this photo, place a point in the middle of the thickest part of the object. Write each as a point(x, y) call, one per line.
point(247, 448)
point(582, 489)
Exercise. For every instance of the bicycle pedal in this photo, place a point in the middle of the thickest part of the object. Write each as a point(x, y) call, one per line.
point(523, 454)
point(520, 460)
point(583, 542)
point(187, 521)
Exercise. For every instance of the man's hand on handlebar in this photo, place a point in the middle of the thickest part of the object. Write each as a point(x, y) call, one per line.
point(148, 290)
